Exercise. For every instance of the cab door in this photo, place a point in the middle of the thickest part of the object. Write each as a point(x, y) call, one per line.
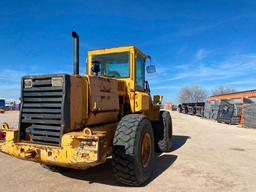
point(141, 95)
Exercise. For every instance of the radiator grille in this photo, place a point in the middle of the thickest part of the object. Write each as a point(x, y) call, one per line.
point(42, 113)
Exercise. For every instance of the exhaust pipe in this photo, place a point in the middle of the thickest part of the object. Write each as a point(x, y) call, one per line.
point(76, 52)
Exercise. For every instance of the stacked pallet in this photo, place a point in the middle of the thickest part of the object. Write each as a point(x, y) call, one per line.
point(191, 109)
point(250, 115)
point(207, 111)
point(229, 112)
point(223, 111)
point(184, 108)
point(199, 109)
point(211, 111)
point(179, 108)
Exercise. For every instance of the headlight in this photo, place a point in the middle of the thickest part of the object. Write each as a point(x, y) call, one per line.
point(57, 81)
point(28, 83)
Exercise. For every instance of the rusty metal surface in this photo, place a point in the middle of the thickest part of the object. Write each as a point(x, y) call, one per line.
point(77, 150)
point(78, 102)
point(103, 93)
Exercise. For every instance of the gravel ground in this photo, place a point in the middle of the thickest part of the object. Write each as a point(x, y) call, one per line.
point(206, 156)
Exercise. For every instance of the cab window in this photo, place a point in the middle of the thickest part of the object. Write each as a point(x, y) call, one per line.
point(114, 65)
point(140, 73)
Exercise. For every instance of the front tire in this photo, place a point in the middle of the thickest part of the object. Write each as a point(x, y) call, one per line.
point(133, 150)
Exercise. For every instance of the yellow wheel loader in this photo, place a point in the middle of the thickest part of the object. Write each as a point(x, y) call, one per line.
point(78, 121)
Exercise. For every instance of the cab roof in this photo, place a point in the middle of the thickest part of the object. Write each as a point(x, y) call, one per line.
point(116, 50)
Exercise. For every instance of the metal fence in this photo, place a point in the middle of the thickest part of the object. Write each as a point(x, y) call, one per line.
point(250, 115)
point(211, 111)
point(224, 111)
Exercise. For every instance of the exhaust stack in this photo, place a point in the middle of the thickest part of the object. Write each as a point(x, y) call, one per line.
point(76, 53)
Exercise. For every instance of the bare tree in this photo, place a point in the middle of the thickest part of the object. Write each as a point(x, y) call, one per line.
point(192, 94)
point(220, 90)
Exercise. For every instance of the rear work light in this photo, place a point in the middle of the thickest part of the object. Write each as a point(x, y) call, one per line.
point(57, 82)
point(28, 83)
point(2, 135)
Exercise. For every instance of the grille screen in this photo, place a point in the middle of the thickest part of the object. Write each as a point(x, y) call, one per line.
point(43, 110)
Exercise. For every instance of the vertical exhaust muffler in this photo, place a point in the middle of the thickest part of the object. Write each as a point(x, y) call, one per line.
point(76, 52)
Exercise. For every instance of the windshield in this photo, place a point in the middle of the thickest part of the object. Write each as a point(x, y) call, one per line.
point(113, 65)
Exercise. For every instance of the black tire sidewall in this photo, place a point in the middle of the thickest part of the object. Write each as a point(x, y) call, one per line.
point(165, 140)
point(170, 132)
point(167, 123)
point(141, 172)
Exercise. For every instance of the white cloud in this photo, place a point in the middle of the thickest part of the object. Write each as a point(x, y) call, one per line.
point(10, 91)
point(199, 29)
point(201, 54)
point(242, 82)
point(182, 50)
point(10, 83)
point(182, 66)
point(238, 66)
point(165, 87)
point(11, 75)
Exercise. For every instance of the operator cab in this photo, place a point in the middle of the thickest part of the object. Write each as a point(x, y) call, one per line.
point(127, 63)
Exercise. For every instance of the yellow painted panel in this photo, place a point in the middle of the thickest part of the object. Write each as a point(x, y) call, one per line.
point(141, 101)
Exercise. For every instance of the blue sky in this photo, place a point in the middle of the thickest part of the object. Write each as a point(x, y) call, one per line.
point(208, 43)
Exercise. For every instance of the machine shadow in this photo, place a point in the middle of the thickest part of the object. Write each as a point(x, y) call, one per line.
point(104, 174)
point(178, 141)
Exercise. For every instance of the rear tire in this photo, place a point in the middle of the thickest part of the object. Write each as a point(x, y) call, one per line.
point(133, 150)
point(163, 132)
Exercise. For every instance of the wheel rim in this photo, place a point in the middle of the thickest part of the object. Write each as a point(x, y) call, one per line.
point(146, 150)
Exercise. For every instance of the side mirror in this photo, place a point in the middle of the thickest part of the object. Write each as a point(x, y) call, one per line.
point(157, 99)
point(151, 69)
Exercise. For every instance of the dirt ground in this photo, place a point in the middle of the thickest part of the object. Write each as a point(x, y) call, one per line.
point(11, 117)
point(206, 156)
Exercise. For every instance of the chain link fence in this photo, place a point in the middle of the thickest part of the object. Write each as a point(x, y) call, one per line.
point(250, 115)
point(211, 111)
